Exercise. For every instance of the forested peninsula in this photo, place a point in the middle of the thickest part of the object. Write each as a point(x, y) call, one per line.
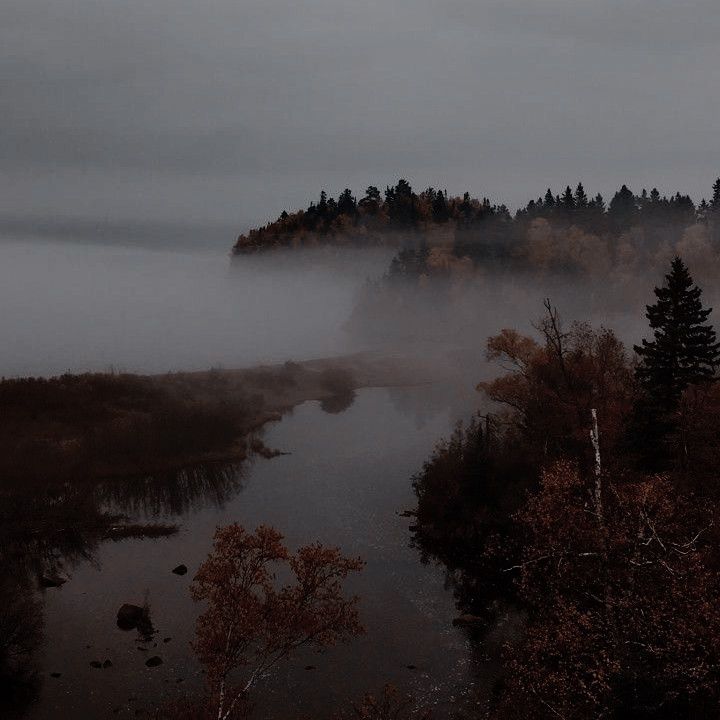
point(436, 233)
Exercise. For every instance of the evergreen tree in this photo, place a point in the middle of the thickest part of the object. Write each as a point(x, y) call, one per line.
point(372, 201)
point(713, 214)
point(703, 208)
point(440, 211)
point(466, 209)
point(581, 199)
point(684, 350)
point(715, 202)
point(568, 201)
point(623, 208)
point(346, 204)
point(322, 206)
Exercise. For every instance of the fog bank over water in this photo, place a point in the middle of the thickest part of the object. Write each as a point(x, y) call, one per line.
point(88, 306)
point(69, 306)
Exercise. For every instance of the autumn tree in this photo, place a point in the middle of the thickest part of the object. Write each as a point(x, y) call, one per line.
point(622, 616)
point(552, 385)
point(249, 624)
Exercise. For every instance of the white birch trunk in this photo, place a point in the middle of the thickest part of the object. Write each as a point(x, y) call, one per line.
point(595, 439)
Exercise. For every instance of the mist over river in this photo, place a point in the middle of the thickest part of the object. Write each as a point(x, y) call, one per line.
point(71, 306)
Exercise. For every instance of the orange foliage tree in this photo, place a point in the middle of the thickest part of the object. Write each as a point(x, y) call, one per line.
point(622, 612)
point(249, 624)
point(551, 387)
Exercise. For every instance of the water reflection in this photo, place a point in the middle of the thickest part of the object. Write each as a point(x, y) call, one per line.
point(338, 403)
point(173, 493)
point(47, 529)
point(21, 636)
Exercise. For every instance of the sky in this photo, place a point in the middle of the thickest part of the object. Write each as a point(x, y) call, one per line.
point(218, 114)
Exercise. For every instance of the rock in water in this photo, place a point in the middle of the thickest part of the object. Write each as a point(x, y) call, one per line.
point(52, 581)
point(180, 570)
point(130, 616)
point(154, 661)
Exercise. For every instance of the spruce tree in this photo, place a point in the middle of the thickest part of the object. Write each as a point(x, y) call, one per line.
point(715, 202)
point(684, 350)
point(581, 198)
point(440, 211)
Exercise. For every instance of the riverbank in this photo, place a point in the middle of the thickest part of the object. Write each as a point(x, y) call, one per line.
point(101, 425)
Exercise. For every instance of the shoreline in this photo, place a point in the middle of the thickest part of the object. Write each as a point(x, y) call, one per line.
point(108, 426)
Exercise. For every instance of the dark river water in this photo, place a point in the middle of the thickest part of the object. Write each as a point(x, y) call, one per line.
point(343, 483)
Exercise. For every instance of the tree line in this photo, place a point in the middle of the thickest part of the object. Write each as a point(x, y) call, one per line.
point(376, 216)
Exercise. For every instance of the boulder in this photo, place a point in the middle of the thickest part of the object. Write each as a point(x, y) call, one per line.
point(52, 581)
point(130, 616)
point(180, 570)
point(154, 661)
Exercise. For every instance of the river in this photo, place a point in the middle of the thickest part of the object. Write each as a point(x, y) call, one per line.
point(79, 307)
point(343, 483)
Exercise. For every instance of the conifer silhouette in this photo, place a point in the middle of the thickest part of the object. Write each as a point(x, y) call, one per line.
point(684, 350)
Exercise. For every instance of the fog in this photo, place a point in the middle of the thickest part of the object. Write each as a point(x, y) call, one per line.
point(92, 306)
point(71, 306)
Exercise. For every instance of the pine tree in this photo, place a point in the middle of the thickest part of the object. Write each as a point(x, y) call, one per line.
point(684, 350)
point(713, 214)
point(715, 202)
point(623, 208)
point(440, 211)
point(568, 201)
point(581, 198)
point(346, 204)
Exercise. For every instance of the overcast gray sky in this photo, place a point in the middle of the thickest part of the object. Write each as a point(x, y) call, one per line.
point(227, 111)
